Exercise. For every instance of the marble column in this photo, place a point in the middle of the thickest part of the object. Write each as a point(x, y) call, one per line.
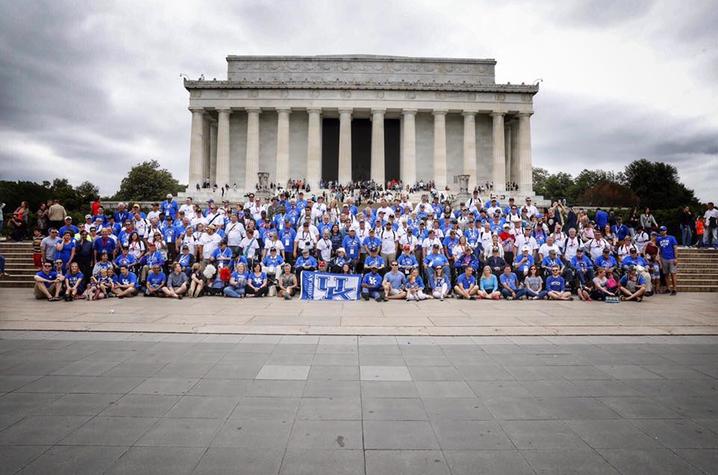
point(525, 178)
point(515, 162)
point(408, 147)
point(196, 167)
point(213, 153)
point(205, 147)
point(314, 148)
point(377, 146)
point(470, 147)
point(252, 162)
point(499, 164)
point(223, 177)
point(509, 129)
point(282, 147)
point(440, 149)
point(345, 146)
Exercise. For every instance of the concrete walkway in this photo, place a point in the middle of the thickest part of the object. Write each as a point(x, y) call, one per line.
point(109, 403)
point(684, 314)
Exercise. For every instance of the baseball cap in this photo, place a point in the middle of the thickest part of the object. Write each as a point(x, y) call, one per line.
point(525, 248)
point(663, 228)
point(341, 249)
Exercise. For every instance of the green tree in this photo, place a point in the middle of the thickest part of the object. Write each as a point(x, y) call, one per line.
point(557, 186)
point(657, 185)
point(540, 175)
point(87, 192)
point(147, 182)
point(588, 179)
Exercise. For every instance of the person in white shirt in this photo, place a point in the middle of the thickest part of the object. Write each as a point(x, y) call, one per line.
point(493, 208)
point(710, 222)
point(209, 241)
point(428, 243)
point(571, 244)
point(273, 242)
point(234, 233)
point(389, 238)
point(141, 225)
point(525, 240)
point(641, 239)
point(250, 246)
point(256, 207)
point(318, 209)
point(595, 246)
point(324, 246)
point(474, 203)
point(531, 210)
point(187, 207)
point(304, 239)
point(546, 247)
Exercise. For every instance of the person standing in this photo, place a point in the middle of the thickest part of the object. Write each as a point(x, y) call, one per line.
point(667, 252)
point(710, 222)
point(56, 214)
point(686, 220)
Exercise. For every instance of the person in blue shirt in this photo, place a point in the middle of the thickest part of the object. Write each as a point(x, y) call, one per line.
point(667, 252)
point(257, 285)
point(155, 281)
point(632, 260)
point(222, 256)
point(73, 283)
point(238, 282)
point(415, 287)
point(371, 241)
point(433, 259)
point(68, 227)
point(287, 235)
point(272, 263)
point(510, 285)
point(125, 283)
point(601, 218)
point(153, 257)
point(371, 285)
point(606, 260)
point(439, 285)
point(104, 243)
point(632, 286)
point(393, 282)
point(523, 262)
point(47, 285)
point(169, 206)
point(582, 268)
point(352, 246)
point(620, 229)
point(65, 250)
point(466, 285)
point(305, 262)
point(556, 286)
point(339, 261)
point(489, 285)
point(374, 259)
point(185, 260)
point(407, 260)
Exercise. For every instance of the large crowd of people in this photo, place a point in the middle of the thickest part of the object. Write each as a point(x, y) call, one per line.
point(478, 249)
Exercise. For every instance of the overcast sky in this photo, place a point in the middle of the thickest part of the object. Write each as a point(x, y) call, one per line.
point(91, 88)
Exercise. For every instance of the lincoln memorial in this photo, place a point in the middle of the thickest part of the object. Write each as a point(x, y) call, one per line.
point(360, 117)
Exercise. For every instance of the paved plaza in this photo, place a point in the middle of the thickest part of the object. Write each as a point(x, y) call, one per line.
point(266, 404)
point(684, 314)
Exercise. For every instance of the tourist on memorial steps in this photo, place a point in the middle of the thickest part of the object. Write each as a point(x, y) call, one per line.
point(393, 282)
point(668, 258)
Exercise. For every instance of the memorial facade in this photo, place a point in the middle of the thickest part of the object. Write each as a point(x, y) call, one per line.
point(352, 118)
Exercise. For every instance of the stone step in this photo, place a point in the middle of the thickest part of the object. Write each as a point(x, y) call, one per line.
point(13, 283)
point(697, 288)
point(713, 271)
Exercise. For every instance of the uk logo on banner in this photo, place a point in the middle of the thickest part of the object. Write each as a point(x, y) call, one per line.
point(325, 286)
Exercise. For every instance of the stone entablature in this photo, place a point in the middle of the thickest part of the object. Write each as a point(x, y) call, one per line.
point(355, 69)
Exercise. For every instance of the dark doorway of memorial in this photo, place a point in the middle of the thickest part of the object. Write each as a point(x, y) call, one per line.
point(361, 149)
point(392, 147)
point(330, 149)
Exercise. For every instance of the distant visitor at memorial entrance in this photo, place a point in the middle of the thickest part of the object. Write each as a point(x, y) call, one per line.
point(356, 118)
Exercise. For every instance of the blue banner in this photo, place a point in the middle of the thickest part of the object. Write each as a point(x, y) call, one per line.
point(326, 286)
